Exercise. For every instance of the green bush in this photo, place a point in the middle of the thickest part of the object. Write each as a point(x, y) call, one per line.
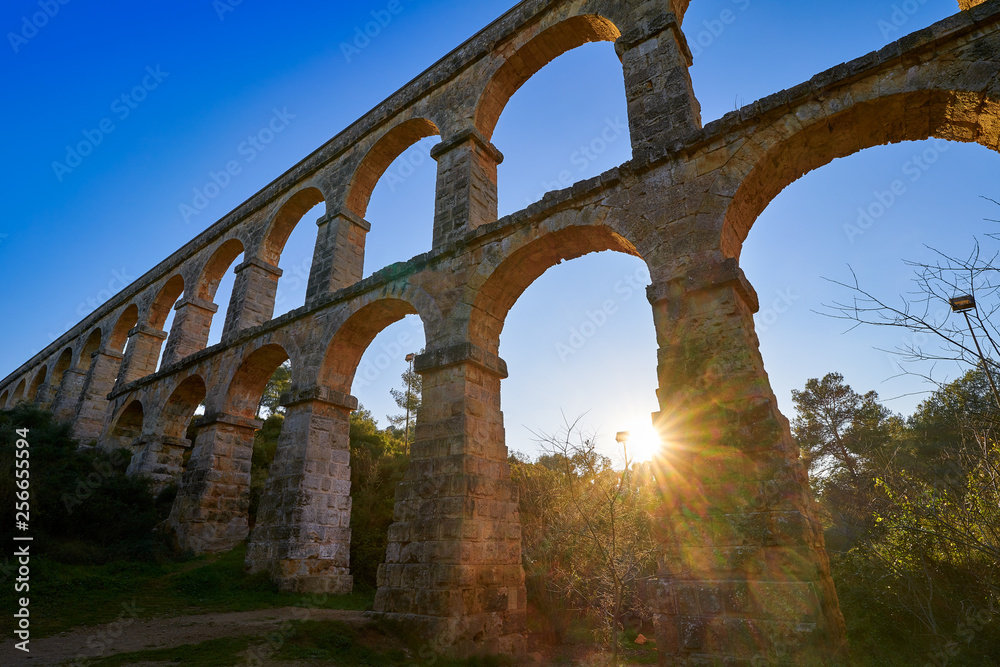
point(83, 507)
point(378, 463)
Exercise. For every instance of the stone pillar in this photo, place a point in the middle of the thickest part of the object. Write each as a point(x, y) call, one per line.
point(466, 185)
point(744, 577)
point(339, 258)
point(252, 303)
point(210, 512)
point(189, 333)
point(969, 4)
point(141, 354)
point(68, 394)
point(453, 563)
point(160, 458)
point(92, 410)
point(303, 532)
point(45, 396)
point(662, 107)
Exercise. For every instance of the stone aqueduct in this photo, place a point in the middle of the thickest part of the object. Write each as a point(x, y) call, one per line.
point(743, 570)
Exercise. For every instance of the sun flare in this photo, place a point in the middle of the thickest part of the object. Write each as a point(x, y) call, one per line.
point(643, 443)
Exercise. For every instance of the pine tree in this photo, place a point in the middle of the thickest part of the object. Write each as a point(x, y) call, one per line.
point(408, 400)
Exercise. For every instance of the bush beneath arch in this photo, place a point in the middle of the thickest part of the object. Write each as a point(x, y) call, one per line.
point(84, 509)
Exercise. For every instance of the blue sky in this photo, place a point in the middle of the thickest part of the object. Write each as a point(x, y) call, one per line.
point(210, 75)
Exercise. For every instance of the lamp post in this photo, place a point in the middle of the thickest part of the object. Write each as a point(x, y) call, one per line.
point(622, 439)
point(963, 304)
point(406, 446)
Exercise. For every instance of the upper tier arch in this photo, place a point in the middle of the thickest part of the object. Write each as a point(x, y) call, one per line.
point(816, 134)
point(390, 146)
point(513, 69)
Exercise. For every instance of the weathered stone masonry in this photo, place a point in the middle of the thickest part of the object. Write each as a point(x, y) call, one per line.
point(743, 572)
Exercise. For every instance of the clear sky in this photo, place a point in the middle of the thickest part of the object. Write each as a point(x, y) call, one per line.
point(215, 73)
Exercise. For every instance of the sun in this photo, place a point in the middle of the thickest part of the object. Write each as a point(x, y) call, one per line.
point(644, 442)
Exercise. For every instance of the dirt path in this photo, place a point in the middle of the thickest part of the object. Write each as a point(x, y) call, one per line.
point(128, 634)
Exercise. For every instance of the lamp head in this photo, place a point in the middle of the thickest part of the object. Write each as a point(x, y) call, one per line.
point(960, 304)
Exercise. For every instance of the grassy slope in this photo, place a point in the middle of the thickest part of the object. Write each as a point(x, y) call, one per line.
point(67, 596)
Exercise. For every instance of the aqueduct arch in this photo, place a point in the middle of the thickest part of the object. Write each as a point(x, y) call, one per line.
point(36, 384)
point(743, 572)
point(18, 394)
point(128, 427)
point(514, 69)
point(786, 152)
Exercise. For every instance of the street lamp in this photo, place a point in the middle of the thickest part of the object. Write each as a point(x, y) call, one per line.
point(963, 304)
point(406, 446)
point(622, 439)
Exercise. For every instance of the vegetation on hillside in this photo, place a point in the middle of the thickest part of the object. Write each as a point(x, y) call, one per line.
point(912, 514)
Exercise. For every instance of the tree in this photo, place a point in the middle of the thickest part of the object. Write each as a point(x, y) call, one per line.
point(920, 501)
point(407, 399)
point(378, 463)
point(842, 436)
point(596, 523)
point(838, 429)
point(279, 383)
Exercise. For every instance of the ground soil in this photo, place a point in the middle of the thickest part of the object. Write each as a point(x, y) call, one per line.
point(133, 635)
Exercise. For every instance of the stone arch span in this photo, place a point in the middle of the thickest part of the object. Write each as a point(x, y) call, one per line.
point(357, 328)
point(211, 511)
point(502, 281)
point(128, 427)
point(373, 166)
point(310, 549)
point(37, 383)
point(197, 310)
point(777, 156)
point(126, 322)
point(165, 299)
point(3, 399)
point(255, 369)
point(62, 365)
point(18, 395)
point(91, 345)
point(524, 61)
point(177, 413)
point(160, 453)
point(215, 268)
point(286, 220)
